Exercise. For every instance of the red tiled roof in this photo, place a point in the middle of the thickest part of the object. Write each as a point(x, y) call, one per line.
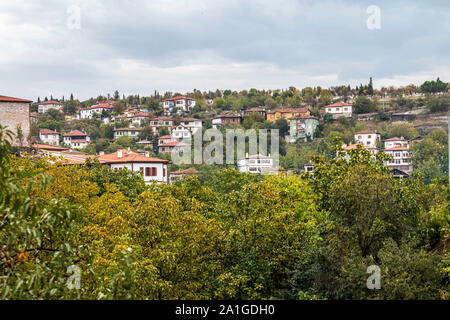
point(173, 144)
point(98, 106)
point(255, 109)
point(129, 129)
point(165, 137)
point(50, 102)
point(396, 139)
point(289, 110)
point(162, 119)
point(12, 99)
point(258, 156)
point(397, 149)
point(338, 104)
point(75, 133)
point(189, 119)
point(367, 132)
point(139, 115)
point(178, 98)
point(47, 147)
point(354, 146)
point(47, 131)
point(128, 157)
point(186, 171)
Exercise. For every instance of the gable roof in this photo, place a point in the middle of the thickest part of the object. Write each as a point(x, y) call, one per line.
point(12, 99)
point(173, 144)
point(397, 149)
point(396, 139)
point(128, 157)
point(367, 132)
point(49, 102)
point(75, 133)
point(186, 171)
point(178, 98)
point(47, 131)
point(129, 129)
point(338, 104)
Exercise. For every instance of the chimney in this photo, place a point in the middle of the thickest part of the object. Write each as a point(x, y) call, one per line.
point(147, 154)
point(101, 153)
point(119, 153)
point(246, 155)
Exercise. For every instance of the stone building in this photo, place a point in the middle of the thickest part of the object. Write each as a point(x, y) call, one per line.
point(15, 116)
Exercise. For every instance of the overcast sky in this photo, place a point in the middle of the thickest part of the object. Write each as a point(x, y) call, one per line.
point(139, 46)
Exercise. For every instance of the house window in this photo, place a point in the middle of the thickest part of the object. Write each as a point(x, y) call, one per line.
point(369, 136)
point(154, 172)
point(164, 172)
point(141, 169)
point(147, 172)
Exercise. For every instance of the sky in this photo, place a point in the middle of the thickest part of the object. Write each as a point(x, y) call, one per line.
point(93, 47)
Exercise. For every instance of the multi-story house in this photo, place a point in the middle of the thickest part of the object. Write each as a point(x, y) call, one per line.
point(15, 116)
point(76, 139)
point(256, 163)
point(373, 150)
point(49, 137)
point(193, 124)
point(367, 138)
point(131, 132)
point(259, 111)
point(339, 109)
point(180, 133)
point(88, 113)
point(161, 122)
point(139, 118)
point(178, 105)
point(400, 159)
point(224, 119)
point(302, 128)
point(286, 113)
point(151, 169)
point(47, 105)
point(171, 146)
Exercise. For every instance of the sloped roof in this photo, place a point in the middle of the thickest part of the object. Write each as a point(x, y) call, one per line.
point(186, 171)
point(178, 98)
point(47, 131)
point(128, 157)
point(75, 133)
point(12, 99)
point(50, 102)
point(338, 104)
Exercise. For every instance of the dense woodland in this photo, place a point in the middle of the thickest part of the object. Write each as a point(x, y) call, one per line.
point(231, 236)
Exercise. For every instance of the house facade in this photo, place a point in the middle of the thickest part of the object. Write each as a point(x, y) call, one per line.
point(47, 105)
point(161, 122)
point(180, 133)
point(171, 146)
point(15, 116)
point(396, 142)
point(286, 114)
point(223, 119)
point(49, 137)
point(181, 174)
point(133, 133)
point(151, 169)
point(88, 113)
point(178, 105)
point(400, 159)
point(256, 163)
point(259, 111)
point(300, 128)
point(367, 138)
point(76, 139)
point(192, 123)
point(339, 109)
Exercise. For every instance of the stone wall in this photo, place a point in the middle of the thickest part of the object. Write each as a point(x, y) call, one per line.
point(14, 115)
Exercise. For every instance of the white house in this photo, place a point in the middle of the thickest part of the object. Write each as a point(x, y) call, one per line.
point(47, 105)
point(396, 142)
point(137, 119)
point(339, 109)
point(367, 138)
point(401, 159)
point(49, 137)
point(88, 113)
point(192, 123)
point(130, 132)
point(151, 169)
point(180, 133)
point(178, 105)
point(76, 139)
point(256, 163)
